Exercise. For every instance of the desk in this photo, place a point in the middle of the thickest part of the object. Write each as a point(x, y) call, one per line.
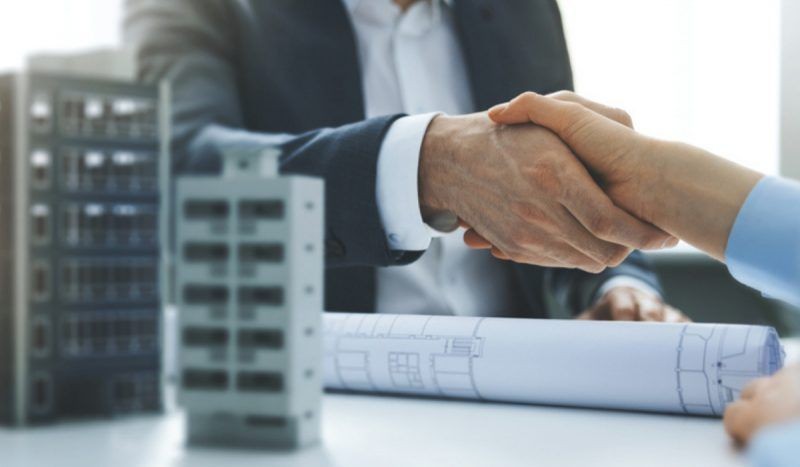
point(374, 431)
point(388, 431)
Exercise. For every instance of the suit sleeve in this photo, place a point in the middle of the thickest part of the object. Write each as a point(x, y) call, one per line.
point(191, 43)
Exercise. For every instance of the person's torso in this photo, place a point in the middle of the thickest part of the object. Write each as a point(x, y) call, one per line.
point(411, 62)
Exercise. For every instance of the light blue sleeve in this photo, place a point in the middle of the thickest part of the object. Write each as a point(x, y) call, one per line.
point(764, 244)
point(776, 446)
point(764, 252)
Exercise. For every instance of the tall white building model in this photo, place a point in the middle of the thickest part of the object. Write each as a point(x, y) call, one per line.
point(249, 283)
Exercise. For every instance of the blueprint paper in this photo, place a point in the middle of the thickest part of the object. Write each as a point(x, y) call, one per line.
point(663, 367)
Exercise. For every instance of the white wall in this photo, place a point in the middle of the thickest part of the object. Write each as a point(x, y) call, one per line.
point(30, 26)
point(701, 71)
point(790, 89)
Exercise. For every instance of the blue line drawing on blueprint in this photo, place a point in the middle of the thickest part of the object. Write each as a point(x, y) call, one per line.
point(669, 367)
point(434, 364)
point(714, 364)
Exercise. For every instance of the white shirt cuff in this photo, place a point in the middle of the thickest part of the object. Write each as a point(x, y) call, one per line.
point(625, 281)
point(396, 184)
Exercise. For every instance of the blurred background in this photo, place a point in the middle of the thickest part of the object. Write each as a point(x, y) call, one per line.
point(714, 73)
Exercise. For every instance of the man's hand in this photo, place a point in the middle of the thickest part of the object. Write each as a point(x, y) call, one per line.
point(765, 401)
point(631, 304)
point(523, 190)
point(603, 138)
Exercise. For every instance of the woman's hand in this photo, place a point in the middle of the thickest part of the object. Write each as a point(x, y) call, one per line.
point(764, 402)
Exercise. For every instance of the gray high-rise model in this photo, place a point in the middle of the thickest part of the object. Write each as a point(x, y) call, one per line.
point(249, 279)
point(83, 164)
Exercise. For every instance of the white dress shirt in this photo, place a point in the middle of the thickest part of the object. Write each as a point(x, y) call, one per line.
point(411, 62)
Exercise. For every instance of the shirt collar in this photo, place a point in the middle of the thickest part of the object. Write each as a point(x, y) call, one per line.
point(351, 5)
point(419, 18)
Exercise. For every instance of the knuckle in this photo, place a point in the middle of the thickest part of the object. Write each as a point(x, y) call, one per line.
point(623, 117)
point(515, 250)
point(600, 225)
point(590, 267)
point(617, 256)
point(573, 108)
point(529, 243)
point(519, 256)
point(574, 260)
point(597, 268)
point(576, 120)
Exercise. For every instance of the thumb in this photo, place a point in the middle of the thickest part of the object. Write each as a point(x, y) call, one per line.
point(529, 106)
point(583, 129)
point(507, 114)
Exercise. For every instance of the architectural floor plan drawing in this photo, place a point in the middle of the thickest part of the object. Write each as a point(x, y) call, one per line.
point(662, 367)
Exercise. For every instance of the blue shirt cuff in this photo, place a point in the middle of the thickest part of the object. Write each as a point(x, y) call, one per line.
point(764, 244)
point(776, 446)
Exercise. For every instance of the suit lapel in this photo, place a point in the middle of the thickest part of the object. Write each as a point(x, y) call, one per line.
point(510, 47)
point(312, 46)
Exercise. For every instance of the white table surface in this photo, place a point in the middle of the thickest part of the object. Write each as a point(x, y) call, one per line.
point(396, 431)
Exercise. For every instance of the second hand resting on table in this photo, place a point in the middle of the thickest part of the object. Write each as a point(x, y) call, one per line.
point(672, 186)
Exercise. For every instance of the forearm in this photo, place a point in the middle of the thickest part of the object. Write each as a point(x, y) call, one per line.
point(737, 215)
point(695, 195)
point(345, 158)
point(195, 45)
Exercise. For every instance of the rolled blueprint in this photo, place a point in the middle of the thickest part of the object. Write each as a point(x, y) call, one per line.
point(662, 367)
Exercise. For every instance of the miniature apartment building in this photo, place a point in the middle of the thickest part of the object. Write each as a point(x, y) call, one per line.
point(80, 166)
point(249, 280)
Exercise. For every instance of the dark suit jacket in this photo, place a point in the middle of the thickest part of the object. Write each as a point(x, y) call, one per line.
point(286, 72)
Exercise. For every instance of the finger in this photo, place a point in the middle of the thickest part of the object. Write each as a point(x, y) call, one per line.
point(475, 240)
point(735, 420)
point(558, 256)
point(754, 387)
point(616, 114)
point(558, 253)
point(593, 208)
point(555, 114)
point(575, 257)
point(673, 315)
point(650, 309)
point(598, 312)
point(499, 254)
point(603, 252)
point(566, 119)
point(529, 258)
point(517, 114)
point(622, 306)
point(589, 315)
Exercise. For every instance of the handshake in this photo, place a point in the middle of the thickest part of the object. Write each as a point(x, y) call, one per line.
point(552, 180)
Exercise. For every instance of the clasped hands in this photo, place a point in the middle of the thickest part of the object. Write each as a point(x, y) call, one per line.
point(523, 191)
point(562, 181)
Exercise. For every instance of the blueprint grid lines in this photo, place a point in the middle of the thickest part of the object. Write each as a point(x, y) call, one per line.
point(683, 368)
